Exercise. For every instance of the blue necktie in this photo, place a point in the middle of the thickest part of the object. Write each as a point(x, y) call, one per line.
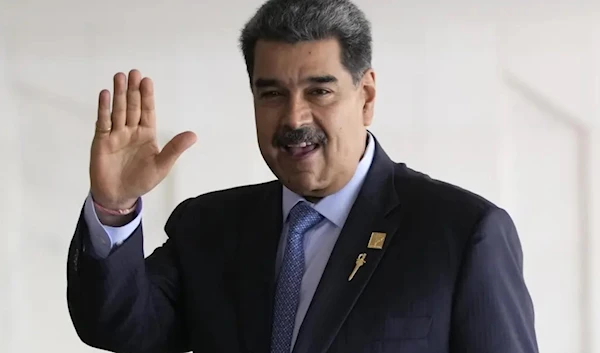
point(302, 217)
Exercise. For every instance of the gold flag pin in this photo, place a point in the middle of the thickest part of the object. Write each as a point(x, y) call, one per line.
point(376, 241)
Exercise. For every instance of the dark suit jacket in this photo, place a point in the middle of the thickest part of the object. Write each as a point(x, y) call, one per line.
point(448, 279)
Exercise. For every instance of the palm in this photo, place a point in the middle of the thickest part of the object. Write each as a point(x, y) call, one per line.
point(125, 161)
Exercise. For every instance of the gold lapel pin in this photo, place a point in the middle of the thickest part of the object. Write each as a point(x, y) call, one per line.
point(377, 240)
point(360, 260)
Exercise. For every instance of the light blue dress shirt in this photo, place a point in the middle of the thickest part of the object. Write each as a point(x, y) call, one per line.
point(318, 242)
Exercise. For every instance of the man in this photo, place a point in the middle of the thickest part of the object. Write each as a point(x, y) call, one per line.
point(346, 252)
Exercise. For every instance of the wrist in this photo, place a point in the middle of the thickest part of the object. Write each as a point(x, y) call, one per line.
point(118, 212)
point(115, 217)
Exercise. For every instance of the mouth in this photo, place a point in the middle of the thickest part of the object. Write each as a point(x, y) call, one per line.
point(301, 150)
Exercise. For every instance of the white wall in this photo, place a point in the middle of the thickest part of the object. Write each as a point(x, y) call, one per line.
point(11, 210)
point(500, 98)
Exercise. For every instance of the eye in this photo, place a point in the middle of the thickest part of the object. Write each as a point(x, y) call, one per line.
point(319, 92)
point(270, 94)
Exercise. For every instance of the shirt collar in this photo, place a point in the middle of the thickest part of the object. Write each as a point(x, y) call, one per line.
point(336, 207)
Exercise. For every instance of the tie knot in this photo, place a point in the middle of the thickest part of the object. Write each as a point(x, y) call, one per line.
point(303, 217)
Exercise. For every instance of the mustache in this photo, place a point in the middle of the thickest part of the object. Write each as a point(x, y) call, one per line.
point(308, 134)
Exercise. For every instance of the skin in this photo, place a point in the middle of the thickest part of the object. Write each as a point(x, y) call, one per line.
point(286, 94)
point(125, 160)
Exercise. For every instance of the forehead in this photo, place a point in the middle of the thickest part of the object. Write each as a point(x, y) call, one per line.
point(292, 62)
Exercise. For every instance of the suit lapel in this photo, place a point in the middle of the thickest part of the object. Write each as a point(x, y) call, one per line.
point(336, 295)
point(259, 238)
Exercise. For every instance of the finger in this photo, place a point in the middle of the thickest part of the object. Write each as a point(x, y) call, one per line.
point(119, 101)
point(148, 117)
point(134, 98)
point(103, 123)
point(173, 149)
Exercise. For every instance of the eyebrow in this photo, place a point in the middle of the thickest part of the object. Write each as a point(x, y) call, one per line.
point(269, 82)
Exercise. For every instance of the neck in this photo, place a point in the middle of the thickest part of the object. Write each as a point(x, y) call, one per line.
point(312, 199)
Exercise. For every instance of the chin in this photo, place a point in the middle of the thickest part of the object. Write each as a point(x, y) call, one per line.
point(304, 185)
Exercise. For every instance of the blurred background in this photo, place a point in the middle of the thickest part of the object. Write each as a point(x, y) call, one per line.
point(499, 97)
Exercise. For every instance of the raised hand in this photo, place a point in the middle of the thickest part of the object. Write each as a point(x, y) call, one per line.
point(125, 161)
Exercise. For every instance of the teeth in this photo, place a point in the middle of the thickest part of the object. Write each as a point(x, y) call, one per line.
point(300, 145)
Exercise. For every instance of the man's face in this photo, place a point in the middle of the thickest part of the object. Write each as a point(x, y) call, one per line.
point(311, 118)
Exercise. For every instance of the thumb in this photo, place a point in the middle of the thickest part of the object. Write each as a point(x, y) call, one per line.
point(173, 149)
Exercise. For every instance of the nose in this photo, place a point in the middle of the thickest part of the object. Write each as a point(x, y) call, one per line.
point(298, 112)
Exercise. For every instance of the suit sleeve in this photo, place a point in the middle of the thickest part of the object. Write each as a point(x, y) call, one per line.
point(123, 302)
point(492, 309)
point(105, 238)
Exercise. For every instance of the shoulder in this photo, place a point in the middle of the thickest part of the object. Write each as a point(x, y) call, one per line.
point(236, 196)
point(219, 203)
point(440, 200)
point(453, 217)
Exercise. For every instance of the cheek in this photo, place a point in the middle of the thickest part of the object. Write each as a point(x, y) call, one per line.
point(339, 125)
point(265, 125)
point(343, 133)
point(264, 138)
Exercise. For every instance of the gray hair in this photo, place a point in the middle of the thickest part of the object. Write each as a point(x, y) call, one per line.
point(293, 21)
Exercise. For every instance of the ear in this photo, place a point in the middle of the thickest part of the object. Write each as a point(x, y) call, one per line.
point(368, 92)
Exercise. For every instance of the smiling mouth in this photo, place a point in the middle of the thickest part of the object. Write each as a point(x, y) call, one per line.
point(301, 150)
